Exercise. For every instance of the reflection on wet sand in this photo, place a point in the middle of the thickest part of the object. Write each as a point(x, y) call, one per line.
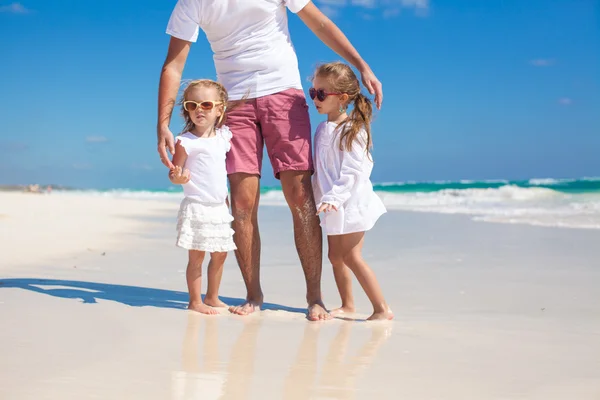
point(338, 376)
point(195, 380)
point(204, 376)
point(213, 379)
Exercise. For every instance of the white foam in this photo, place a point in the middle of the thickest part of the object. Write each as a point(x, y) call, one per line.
point(550, 181)
point(508, 204)
point(126, 193)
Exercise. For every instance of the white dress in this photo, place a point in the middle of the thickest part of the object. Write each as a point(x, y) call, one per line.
point(342, 178)
point(204, 220)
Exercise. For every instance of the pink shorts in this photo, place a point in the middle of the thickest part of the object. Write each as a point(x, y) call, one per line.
point(280, 121)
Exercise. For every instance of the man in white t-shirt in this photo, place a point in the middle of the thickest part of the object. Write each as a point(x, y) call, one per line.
point(254, 58)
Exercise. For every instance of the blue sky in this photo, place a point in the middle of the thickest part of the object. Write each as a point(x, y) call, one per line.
point(482, 89)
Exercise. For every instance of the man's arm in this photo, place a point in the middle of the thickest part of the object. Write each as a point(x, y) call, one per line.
point(170, 79)
point(333, 37)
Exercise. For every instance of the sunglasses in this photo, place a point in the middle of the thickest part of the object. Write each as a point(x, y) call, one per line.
point(207, 105)
point(320, 94)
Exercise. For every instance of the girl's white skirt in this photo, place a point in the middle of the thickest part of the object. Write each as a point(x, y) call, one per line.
point(204, 227)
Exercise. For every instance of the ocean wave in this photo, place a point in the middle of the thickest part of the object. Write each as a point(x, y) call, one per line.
point(127, 193)
point(508, 204)
point(543, 202)
point(546, 181)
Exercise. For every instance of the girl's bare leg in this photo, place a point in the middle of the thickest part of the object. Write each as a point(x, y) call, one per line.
point(342, 275)
point(193, 276)
point(352, 246)
point(215, 272)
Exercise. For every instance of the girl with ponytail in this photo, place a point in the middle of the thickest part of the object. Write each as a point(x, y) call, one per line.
point(341, 182)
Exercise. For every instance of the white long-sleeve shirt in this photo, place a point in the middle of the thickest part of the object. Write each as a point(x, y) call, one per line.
point(342, 179)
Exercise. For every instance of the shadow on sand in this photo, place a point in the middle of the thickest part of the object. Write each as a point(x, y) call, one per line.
point(135, 296)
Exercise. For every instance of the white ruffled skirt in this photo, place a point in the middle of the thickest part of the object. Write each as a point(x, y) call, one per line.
point(204, 227)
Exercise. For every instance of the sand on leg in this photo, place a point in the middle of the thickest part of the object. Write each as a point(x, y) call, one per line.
point(308, 237)
point(245, 192)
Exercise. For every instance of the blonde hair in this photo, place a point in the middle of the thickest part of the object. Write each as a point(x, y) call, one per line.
point(223, 97)
point(343, 80)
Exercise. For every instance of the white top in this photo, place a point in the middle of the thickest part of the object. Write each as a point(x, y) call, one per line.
point(250, 41)
point(342, 178)
point(206, 162)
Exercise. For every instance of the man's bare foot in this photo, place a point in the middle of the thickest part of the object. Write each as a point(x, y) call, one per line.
point(317, 312)
point(214, 302)
point(202, 308)
point(381, 316)
point(247, 308)
point(342, 310)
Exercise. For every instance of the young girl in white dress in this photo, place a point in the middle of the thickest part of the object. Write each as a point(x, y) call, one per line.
point(341, 182)
point(204, 220)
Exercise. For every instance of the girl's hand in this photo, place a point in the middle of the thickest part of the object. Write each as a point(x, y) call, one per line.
point(326, 207)
point(179, 176)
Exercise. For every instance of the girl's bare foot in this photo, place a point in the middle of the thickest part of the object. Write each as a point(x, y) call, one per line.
point(342, 310)
point(214, 302)
point(381, 315)
point(202, 308)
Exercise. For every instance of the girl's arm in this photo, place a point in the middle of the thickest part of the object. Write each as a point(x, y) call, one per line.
point(178, 175)
point(333, 37)
point(351, 170)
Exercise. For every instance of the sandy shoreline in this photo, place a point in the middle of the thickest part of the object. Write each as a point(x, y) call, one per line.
point(485, 311)
point(41, 227)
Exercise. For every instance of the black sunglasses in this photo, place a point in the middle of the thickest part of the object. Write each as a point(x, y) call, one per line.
point(320, 94)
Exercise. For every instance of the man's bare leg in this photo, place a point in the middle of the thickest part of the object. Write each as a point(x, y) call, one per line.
point(245, 192)
point(297, 190)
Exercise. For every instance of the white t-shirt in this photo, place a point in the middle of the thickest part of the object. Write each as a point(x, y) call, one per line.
point(253, 52)
point(206, 162)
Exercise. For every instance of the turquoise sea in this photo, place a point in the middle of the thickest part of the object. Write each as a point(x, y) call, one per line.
point(572, 203)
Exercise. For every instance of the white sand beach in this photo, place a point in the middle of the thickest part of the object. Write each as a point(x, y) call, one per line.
point(93, 295)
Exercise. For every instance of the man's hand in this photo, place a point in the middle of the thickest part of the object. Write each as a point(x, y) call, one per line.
point(326, 207)
point(179, 177)
point(165, 141)
point(333, 37)
point(373, 85)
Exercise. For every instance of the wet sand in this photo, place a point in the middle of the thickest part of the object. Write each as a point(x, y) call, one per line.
point(484, 311)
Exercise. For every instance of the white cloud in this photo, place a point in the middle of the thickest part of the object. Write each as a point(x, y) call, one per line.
point(339, 3)
point(14, 146)
point(390, 8)
point(364, 3)
point(82, 166)
point(330, 11)
point(96, 139)
point(565, 101)
point(415, 3)
point(14, 8)
point(366, 17)
point(391, 12)
point(542, 62)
